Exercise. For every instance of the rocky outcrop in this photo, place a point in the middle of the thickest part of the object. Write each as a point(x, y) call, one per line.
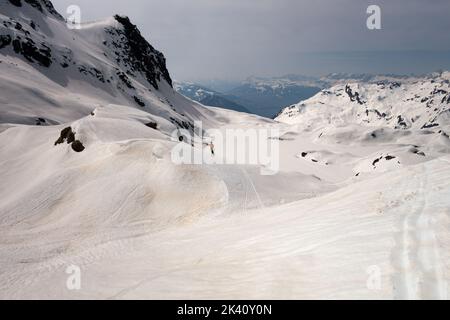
point(32, 52)
point(353, 96)
point(17, 36)
point(67, 135)
point(5, 40)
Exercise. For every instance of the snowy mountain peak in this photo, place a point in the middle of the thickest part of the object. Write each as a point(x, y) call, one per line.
point(29, 31)
point(103, 62)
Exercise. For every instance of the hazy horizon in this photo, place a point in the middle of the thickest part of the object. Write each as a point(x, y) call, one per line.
point(232, 40)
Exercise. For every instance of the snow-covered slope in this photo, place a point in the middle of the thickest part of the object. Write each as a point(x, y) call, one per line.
point(207, 97)
point(87, 180)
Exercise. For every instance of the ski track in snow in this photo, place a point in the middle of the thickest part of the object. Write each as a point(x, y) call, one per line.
point(418, 267)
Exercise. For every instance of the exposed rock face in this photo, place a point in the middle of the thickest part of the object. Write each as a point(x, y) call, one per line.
point(139, 102)
point(152, 125)
point(33, 53)
point(134, 52)
point(353, 96)
point(17, 3)
point(67, 135)
point(40, 5)
point(21, 36)
point(77, 146)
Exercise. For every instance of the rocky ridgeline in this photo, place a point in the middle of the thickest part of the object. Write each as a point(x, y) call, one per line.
point(415, 103)
point(25, 40)
point(136, 54)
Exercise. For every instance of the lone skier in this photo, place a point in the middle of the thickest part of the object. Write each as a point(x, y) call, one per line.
point(211, 146)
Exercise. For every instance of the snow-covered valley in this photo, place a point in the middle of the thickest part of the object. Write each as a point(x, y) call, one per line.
point(359, 209)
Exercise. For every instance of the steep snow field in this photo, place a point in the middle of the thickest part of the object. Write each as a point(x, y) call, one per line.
point(360, 207)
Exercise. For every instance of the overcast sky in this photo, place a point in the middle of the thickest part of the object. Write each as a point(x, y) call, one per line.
point(233, 39)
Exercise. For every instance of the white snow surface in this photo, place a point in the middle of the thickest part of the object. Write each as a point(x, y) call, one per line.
point(353, 197)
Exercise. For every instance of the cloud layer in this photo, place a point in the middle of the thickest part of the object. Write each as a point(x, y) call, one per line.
point(237, 38)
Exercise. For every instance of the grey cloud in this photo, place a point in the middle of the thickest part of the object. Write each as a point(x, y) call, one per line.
point(237, 38)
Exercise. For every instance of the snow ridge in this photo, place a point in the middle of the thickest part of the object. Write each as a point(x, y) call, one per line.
point(418, 103)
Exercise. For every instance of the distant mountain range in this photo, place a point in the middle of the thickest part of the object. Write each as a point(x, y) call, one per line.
point(261, 96)
point(208, 97)
point(267, 96)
